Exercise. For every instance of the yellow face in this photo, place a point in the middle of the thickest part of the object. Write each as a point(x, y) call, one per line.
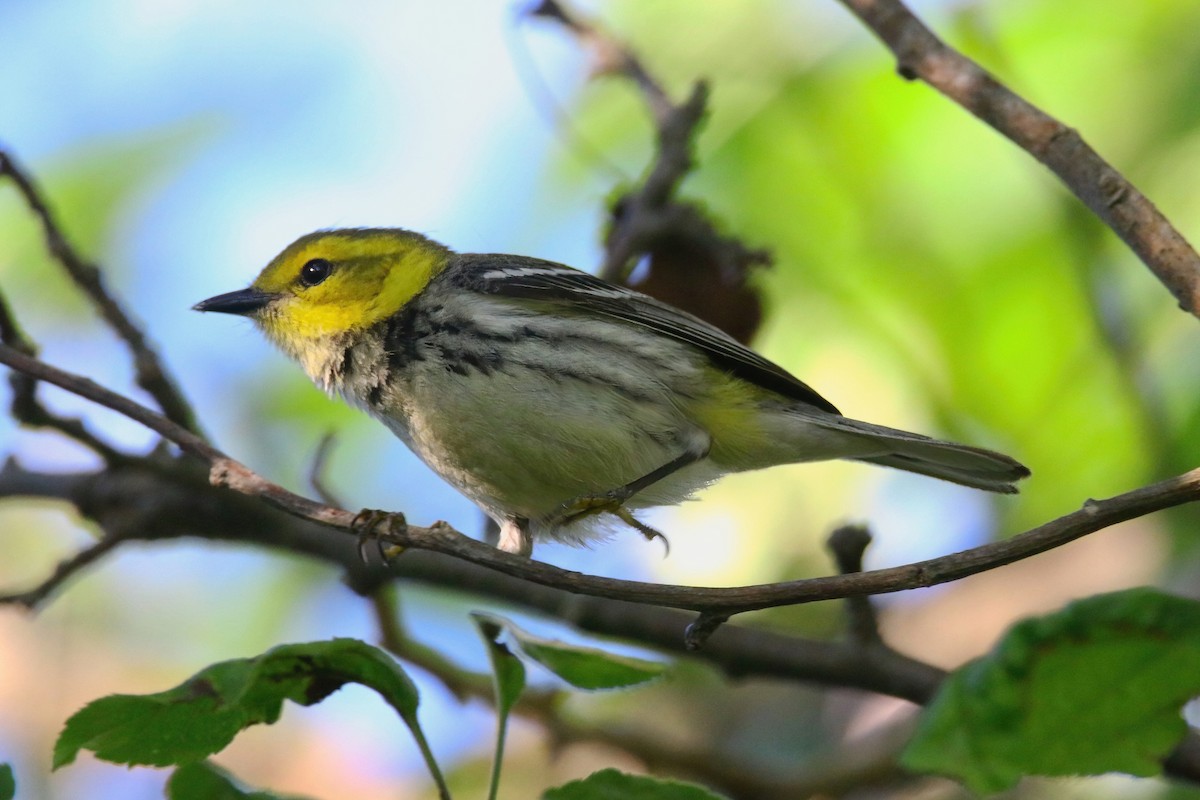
point(330, 282)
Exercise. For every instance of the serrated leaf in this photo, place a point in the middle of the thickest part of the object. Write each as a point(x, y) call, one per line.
point(508, 675)
point(582, 667)
point(202, 715)
point(610, 783)
point(8, 784)
point(1097, 687)
point(204, 780)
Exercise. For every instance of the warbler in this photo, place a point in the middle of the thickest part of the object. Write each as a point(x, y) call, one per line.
point(549, 397)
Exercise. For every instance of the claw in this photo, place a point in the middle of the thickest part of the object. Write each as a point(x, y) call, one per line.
point(609, 503)
point(645, 530)
point(366, 522)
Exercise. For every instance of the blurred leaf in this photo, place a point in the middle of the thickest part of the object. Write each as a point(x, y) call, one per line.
point(8, 784)
point(582, 667)
point(608, 784)
point(202, 715)
point(1094, 688)
point(204, 780)
point(509, 678)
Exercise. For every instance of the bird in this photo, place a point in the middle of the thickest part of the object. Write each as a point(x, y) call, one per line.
point(556, 401)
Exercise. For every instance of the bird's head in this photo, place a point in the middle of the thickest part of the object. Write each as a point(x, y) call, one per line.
point(330, 283)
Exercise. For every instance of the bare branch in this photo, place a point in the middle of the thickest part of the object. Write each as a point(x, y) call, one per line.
point(849, 543)
point(1111, 197)
point(77, 384)
point(11, 333)
point(702, 629)
point(34, 597)
point(394, 637)
point(683, 245)
point(316, 471)
point(183, 505)
point(610, 57)
point(712, 603)
point(27, 409)
point(149, 370)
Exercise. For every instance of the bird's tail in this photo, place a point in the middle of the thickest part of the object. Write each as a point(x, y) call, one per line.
point(958, 463)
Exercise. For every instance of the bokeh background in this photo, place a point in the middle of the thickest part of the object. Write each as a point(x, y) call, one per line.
point(928, 276)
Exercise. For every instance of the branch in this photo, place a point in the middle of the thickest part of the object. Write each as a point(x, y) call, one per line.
point(709, 602)
point(684, 248)
point(34, 597)
point(643, 215)
point(867, 760)
point(611, 57)
point(184, 505)
point(1111, 197)
point(25, 406)
point(849, 543)
point(149, 370)
point(316, 471)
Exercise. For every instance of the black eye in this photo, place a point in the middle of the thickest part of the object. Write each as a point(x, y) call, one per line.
point(315, 271)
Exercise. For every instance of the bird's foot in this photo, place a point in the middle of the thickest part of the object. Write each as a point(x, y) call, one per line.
point(645, 530)
point(607, 503)
point(366, 524)
point(589, 505)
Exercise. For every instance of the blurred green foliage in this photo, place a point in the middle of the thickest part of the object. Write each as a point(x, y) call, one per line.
point(953, 267)
point(928, 275)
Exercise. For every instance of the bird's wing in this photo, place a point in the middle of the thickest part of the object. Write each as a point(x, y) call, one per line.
point(534, 279)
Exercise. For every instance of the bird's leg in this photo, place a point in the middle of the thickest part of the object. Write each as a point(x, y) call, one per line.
point(612, 501)
point(515, 537)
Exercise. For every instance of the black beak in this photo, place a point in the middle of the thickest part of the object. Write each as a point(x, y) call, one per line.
point(243, 302)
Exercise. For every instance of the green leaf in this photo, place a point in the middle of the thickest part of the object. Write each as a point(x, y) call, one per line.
point(509, 678)
point(609, 783)
point(204, 780)
point(202, 715)
point(582, 667)
point(8, 784)
point(1094, 688)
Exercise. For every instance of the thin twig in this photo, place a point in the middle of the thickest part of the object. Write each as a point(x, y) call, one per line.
point(1111, 197)
point(11, 333)
point(316, 471)
point(34, 597)
point(393, 637)
point(543, 99)
point(848, 544)
point(649, 217)
point(25, 406)
point(610, 57)
point(77, 384)
point(224, 471)
point(149, 370)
